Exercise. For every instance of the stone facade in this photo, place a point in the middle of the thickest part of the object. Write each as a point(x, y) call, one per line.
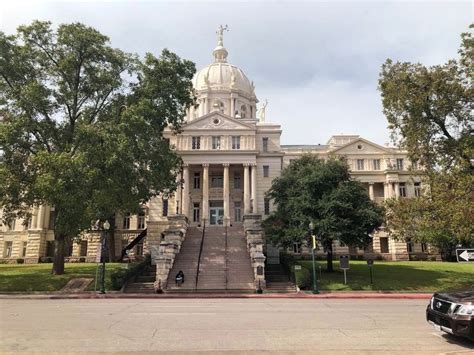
point(230, 156)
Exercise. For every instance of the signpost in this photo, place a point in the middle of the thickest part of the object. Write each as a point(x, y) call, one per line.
point(344, 265)
point(465, 255)
point(370, 262)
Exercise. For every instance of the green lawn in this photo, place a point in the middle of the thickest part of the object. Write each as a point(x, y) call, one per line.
point(38, 277)
point(396, 276)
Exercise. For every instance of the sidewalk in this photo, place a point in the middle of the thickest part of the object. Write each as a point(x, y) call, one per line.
point(300, 295)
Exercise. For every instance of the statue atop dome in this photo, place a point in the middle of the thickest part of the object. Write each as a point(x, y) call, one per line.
point(261, 111)
point(220, 34)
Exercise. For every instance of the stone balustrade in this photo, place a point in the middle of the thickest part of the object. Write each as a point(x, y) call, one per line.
point(255, 238)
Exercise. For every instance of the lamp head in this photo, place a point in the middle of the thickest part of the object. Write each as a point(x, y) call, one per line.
point(106, 225)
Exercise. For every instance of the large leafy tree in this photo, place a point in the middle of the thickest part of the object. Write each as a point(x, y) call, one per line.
point(82, 125)
point(322, 192)
point(429, 110)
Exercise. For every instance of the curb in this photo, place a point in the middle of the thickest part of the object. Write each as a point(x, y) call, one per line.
point(300, 295)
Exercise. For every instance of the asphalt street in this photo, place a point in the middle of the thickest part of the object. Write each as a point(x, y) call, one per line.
point(291, 325)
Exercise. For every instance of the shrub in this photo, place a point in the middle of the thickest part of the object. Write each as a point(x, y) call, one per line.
point(120, 277)
point(20, 261)
point(303, 278)
point(433, 258)
point(379, 257)
point(82, 260)
point(46, 259)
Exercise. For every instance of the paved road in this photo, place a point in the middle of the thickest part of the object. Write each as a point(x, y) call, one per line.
point(226, 324)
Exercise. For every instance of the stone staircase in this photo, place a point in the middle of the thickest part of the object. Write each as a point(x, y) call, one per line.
point(186, 261)
point(277, 280)
point(143, 283)
point(224, 265)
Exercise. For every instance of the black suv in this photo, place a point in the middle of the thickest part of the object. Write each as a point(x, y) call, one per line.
point(452, 313)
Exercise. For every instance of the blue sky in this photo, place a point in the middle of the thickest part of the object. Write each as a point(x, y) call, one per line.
point(316, 62)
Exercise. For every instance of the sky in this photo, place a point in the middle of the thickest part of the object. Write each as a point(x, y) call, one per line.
point(317, 63)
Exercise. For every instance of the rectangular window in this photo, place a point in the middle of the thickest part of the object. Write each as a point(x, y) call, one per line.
point(141, 220)
point(296, 248)
point(360, 164)
point(237, 211)
point(400, 164)
point(235, 142)
point(30, 223)
point(237, 181)
point(384, 245)
point(266, 206)
point(402, 189)
point(414, 165)
point(23, 251)
point(266, 171)
point(217, 181)
point(417, 189)
point(197, 181)
point(196, 143)
point(196, 212)
point(265, 144)
point(165, 208)
point(7, 250)
point(376, 163)
point(409, 246)
point(216, 142)
point(140, 249)
point(126, 221)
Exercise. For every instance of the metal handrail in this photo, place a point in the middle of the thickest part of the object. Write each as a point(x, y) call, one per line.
point(134, 242)
point(200, 252)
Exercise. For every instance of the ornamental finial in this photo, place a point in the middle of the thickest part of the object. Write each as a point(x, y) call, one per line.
point(220, 34)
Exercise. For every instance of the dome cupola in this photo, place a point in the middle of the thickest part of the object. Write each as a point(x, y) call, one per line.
point(223, 87)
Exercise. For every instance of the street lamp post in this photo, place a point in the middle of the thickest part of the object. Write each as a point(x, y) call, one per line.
point(105, 229)
point(313, 237)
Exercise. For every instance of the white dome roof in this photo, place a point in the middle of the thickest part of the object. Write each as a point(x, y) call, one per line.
point(222, 75)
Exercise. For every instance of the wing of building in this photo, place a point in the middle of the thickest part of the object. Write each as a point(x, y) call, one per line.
point(231, 153)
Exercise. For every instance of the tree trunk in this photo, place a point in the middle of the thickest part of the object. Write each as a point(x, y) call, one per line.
point(58, 260)
point(329, 266)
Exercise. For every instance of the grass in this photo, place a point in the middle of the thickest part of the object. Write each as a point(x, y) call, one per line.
point(424, 276)
point(38, 277)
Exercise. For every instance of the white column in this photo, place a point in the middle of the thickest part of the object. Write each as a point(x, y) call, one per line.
point(254, 188)
point(371, 191)
point(185, 192)
point(34, 217)
point(40, 221)
point(232, 106)
point(226, 193)
point(205, 191)
point(397, 189)
point(246, 189)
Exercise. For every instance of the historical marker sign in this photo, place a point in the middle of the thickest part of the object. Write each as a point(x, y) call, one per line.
point(465, 255)
point(344, 261)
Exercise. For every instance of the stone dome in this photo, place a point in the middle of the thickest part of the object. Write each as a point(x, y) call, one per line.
point(221, 75)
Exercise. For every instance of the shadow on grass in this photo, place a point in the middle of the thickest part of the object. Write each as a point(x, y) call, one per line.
point(38, 277)
point(396, 277)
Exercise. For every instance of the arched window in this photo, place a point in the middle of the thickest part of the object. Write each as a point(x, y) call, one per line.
point(243, 111)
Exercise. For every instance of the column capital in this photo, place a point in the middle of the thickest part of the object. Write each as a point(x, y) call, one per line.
point(253, 164)
point(205, 165)
point(185, 165)
point(371, 183)
point(225, 165)
point(247, 164)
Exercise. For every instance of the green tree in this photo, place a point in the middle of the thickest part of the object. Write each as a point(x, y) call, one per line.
point(429, 111)
point(82, 125)
point(322, 192)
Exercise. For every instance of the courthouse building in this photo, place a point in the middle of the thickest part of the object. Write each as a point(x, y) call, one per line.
point(231, 152)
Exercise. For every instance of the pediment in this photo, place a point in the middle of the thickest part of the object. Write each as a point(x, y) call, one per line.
point(360, 146)
point(216, 121)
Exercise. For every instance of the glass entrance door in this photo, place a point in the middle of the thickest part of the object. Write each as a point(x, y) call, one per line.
point(216, 213)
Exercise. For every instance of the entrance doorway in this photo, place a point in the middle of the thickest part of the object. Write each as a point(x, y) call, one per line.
point(216, 212)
